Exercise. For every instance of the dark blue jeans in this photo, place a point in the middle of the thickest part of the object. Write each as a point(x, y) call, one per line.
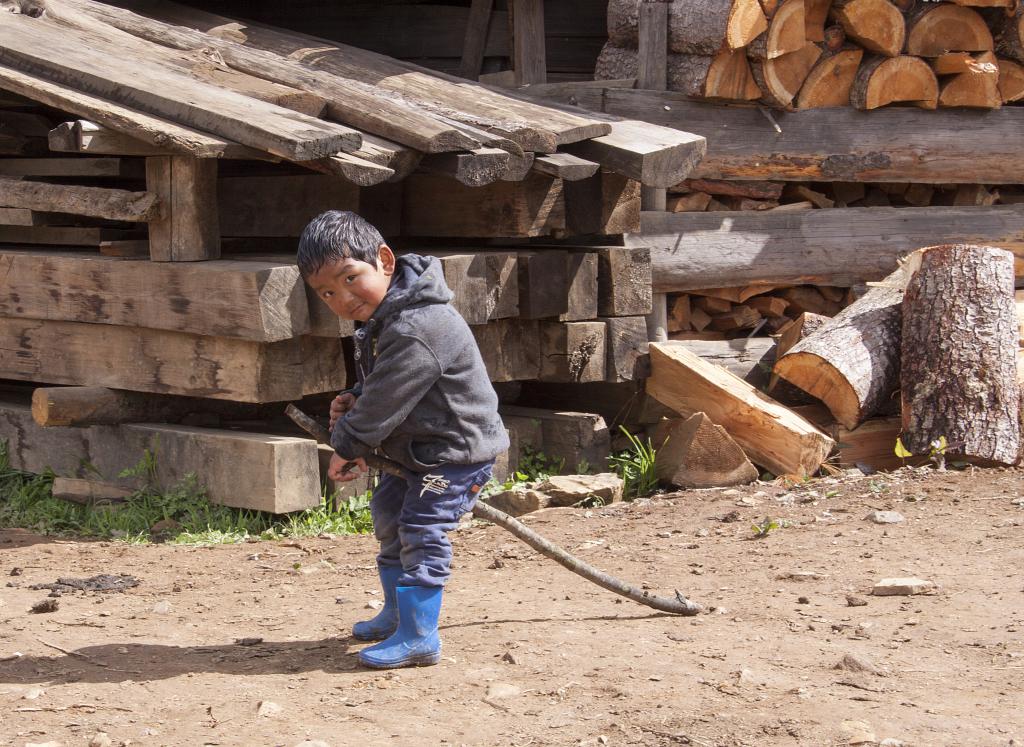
point(412, 518)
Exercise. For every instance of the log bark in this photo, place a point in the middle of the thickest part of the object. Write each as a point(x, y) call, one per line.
point(780, 79)
point(887, 80)
point(959, 354)
point(701, 27)
point(770, 434)
point(696, 453)
point(725, 74)
point(877, 25)
point(1009, 39)
point(852, 362)
point(936, 28)
point(830, 80)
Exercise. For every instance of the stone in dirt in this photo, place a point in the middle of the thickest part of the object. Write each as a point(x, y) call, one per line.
point(857, 732)
point(268, 708)
point(852, 601)
point(519, 501)
point(852, 663)
point(885, 517)
point(101, 582)
point(896, 587)
point(312, 743)
point(46, 605)
point(568, 490)
point(100, 739)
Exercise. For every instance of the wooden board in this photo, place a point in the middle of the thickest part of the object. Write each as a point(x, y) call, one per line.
point(62, 235)
point(97, 202)
point(626, 343)
point(161, 361)
point(255, 300)
point(245, 470)
point(840, 144)
point(581, 282)
point(842, 246)
point(189, 229)
point(72, 167)
point(771, 435)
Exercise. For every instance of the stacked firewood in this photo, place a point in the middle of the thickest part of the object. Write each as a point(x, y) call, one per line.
point(903, 347)
point(825, 53)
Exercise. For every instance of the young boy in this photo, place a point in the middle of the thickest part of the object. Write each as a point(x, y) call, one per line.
point(423, 398)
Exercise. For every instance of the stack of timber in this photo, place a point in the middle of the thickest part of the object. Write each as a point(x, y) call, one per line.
point(808, 54)
point(149, 212)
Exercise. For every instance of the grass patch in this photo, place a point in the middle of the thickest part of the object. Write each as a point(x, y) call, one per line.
point(182, 513)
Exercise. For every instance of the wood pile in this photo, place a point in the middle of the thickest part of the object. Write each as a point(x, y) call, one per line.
point(149, 212)
point(809, 54)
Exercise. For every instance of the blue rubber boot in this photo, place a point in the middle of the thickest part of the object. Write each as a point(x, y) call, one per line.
point(386, 621)
point(416, 642)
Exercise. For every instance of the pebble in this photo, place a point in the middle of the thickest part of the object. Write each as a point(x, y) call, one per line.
point(162, 607)
point(885, 517)
point(268, 708)
point(510, 657)
point(858, 732)
point(852, 663)
point(100, 739)
point(852, 601)
point(374, 604)
point(889, 587)
point(312, 743)
point(890, 742)
point(498, 690)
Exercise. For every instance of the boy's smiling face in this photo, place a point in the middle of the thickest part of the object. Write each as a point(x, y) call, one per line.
point(353, 289)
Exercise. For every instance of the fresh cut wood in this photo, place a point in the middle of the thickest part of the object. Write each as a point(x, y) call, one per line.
point(781, 78)
point(786, 32)
point(876, 25)
point(959, 354)
point(830, 80)
point(695, 453)
point(770, 434)
point(1011, 81)
point(936, 28)
point(978, 86)
point(888, 80)
point(852, 363)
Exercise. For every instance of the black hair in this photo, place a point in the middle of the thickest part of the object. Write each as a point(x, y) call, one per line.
point(337, 235)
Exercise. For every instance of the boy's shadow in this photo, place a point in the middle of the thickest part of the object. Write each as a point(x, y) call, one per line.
point(119, 662)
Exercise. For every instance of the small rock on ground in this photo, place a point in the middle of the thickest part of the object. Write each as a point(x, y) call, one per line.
point(568, 490)
point(885, 517)
point(893, 587)
point(100, 739)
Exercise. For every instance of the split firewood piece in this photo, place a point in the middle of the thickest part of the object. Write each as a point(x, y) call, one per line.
point(978, 87)
point(974, 195)
point(799, 329)
point(681, 312)
point(786, 32)
point(695, 453)
point(806, 193)
point(769, 306)
point(781, 79)
point(954, 63)
point(713, 304)
point(937, 28)
point(770, 434)
point(960, 380)
point(1009, 39)
point(726, 75)
point(694, 202)
point(804, 298)
point(815, 17)
point(1011, 81)
point(888, 80)
point(877, 25)
point(739, 188)
point(985, 3)
point(852, 362)
point(694, 26)
point(699, 319)
point(919, 195)
point(830, 80)
point(739, 317)
point(737, 294)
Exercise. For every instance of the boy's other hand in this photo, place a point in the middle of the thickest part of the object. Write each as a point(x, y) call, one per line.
point(336, 472)
point(340, 405)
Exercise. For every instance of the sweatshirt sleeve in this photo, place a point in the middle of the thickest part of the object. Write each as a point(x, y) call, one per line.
point(404, 370)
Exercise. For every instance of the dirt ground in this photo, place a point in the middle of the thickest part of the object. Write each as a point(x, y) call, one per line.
point(534, 655)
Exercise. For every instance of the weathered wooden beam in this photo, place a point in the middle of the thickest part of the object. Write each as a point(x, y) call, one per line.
point(280, 473)
point(263, 301)
point(510, 348)
point(28, 44)
point(565, 166)
point(604, 204)
point(528, 48)
point(572, 352)
point(543, 283)
point(624, 281)
point(626, 344)
point(96, 202)
point(474, 169)
point(351, 168)
point(280, 205)
point(581, 287)
point(188, 230)
point(476, 39)
point(841, 246)
point(839, 144)
point(71, 167)
point(154, 360)
point(69, 236)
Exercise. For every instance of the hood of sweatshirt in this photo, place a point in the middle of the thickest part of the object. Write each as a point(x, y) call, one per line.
point(417, 280)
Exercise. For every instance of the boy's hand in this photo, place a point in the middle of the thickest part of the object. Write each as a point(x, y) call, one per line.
point(340, 405)
point(336, 472)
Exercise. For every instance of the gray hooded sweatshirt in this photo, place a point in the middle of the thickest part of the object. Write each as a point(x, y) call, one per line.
point(423, 394)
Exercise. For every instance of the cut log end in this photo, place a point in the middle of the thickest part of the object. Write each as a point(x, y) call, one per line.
point(746, 22)
point(696, 453)
point(830, 80)
point(781, 79)
point(882, 81)
point(819, 378)
point(939, 28)
point(877, 25)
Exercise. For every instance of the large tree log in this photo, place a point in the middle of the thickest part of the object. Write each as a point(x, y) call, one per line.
point(959, 354)
point(852, 363)
point(696, 453)
point(839, 247)
point(888, 80)
point(935, 28)
point(701, 27)
point(771, 435)
point(724, 75)
point(877, 25)
point(780, 79)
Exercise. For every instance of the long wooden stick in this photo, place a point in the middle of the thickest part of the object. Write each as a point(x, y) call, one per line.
point(678, 606)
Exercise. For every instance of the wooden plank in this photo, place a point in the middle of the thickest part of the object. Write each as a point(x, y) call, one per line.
point(839, 144)
point(61, 235)
point(565, 166)
point(624, 281)
point(88, 492)
point(98, 202)
point(262, 301)
point(154, 360)
point(70, 137)
point(841, 247)
point(475, 39)
point(160, 133)
point(572, 352)
point(88, 167)
point(510, 349)
point(653, 155)
point(528, 44)
point(502, 285)
point(189, 229)
point(351, 168)
point(280, 472)
point(771, 435)
point(16, 217)
point(83, 61)
point(653, 46)
point(467, 277)
point(543, 284)
point(532, 207)
point(474, 169)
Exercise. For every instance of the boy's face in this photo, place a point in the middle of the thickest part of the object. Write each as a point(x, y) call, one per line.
point(353, 289)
